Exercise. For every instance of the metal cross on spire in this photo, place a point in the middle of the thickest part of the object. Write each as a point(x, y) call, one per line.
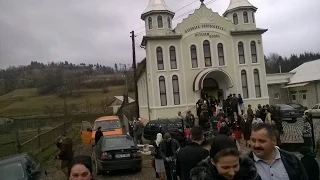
point(201, 1)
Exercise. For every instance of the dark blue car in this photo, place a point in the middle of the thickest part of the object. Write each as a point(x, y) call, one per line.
point(21, 167)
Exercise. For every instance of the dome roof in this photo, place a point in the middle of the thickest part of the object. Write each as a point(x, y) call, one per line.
point(156, 6)
point(237, 4)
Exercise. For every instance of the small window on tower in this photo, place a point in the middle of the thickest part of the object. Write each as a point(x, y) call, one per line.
point(150, 22)
point(160, 22)
point(245, 17)
point(253, 18)
point(235, 18)
point(169, 22)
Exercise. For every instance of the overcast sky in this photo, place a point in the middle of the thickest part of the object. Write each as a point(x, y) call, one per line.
point(97, 31)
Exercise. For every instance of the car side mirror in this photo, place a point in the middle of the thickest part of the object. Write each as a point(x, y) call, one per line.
point(89, 129)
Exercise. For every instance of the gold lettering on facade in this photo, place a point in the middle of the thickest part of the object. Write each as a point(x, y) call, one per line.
point(205, 26)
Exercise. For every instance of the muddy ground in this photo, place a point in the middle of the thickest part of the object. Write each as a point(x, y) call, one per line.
point(147, 172)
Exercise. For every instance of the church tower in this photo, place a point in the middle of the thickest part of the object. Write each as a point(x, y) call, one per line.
point(158, 18)
point(242, 14)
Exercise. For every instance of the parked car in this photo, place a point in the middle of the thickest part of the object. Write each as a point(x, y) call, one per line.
point(116, 152)
point(110, 125)
point(298, 107)
point(288, 112)
point(21, 167)
point(173, 126)
point(314, 111)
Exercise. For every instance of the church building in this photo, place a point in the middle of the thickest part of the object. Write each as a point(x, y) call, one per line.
point(206, 52)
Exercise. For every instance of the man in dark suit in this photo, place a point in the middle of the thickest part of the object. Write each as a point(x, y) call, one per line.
point(98, 135)
point(192, 154)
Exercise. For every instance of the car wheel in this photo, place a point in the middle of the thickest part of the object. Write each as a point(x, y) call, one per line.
point(98, 171)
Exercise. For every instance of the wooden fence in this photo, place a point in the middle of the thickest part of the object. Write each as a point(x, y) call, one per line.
point(28, 123)
point(33, 140)
point(43, 140)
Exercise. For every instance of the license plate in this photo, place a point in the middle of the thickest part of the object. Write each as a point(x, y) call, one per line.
point(122, 155)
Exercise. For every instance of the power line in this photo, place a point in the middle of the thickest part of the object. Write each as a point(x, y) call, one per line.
point(174, 11)
point(180, 16)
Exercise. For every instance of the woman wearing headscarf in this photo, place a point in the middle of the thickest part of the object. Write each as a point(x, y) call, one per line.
point(224, 163)
point(80, 168)
point(309, 163)
point(158, 161)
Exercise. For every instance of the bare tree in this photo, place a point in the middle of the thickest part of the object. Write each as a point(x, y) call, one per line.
point(51, 110)
point(104, 104)
point(89, 106)
point(72, 109)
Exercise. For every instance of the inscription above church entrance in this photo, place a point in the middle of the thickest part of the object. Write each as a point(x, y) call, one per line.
point(202, 34)
point(211, 26)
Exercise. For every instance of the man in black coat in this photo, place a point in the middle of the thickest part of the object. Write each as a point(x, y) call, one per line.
point(168, 150)
point(191, 155)
point(272, 162)
point(98, 135)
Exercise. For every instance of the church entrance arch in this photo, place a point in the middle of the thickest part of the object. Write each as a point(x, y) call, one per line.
point(213, 82)
point(211, 88)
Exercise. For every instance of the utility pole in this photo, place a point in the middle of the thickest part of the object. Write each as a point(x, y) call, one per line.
point(134, 66)
point(125, 75)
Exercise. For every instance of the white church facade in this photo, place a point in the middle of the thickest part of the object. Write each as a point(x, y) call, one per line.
point(206, 52)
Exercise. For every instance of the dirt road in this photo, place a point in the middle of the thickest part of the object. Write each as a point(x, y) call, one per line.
point(147, 172)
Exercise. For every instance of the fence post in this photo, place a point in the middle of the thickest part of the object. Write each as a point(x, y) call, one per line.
point(18, 142)
point(39, 132)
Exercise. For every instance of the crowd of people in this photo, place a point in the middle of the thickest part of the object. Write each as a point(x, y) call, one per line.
point(224, 160)
point(260, 129)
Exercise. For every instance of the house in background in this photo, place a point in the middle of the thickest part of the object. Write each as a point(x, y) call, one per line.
point(301, 85)
point(116, 104)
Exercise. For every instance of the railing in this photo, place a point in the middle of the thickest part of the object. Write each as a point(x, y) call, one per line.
point(193, 111)
point(43, 140)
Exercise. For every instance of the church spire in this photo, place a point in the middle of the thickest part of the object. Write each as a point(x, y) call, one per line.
point(238, 4)
point(156, 6)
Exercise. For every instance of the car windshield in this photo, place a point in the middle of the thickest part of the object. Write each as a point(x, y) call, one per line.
point(118, 142)
point(285, 107)
point(295, 105)
point(106, 125)
point(12, 171)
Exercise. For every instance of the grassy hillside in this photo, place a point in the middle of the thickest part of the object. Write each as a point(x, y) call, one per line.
point(26, 102)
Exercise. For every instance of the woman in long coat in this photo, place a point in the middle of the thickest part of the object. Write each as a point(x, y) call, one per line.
point(236, 125)
point(246, 130)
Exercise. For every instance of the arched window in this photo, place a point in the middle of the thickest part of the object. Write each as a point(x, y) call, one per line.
point(160, 22)
point(169, 22)
point(257, 83)
point(221, 54)
point(160, 58)
point(244, 82)
point(253, 52)
point(235, 18)
point(242, 59)
point(175, 88)
point(194, 56)
point(173, 59)
point(245, 17)
point(163, 91)
point(253, 18)
point(150, 22)
point(207, 53)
